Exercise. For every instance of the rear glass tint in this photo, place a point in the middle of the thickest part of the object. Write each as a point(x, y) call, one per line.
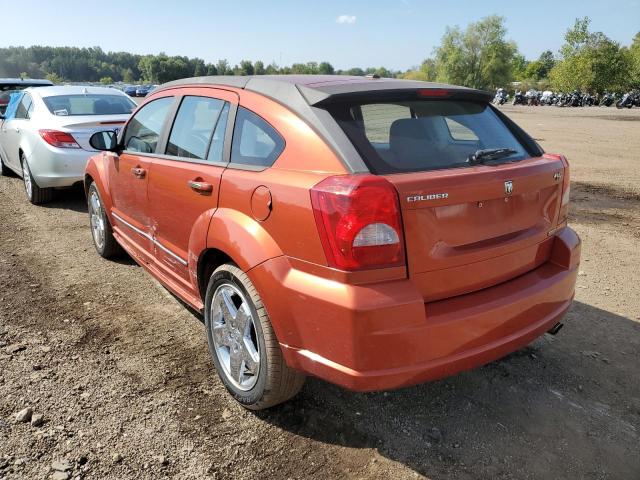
point(63, 105)
point(422, 135)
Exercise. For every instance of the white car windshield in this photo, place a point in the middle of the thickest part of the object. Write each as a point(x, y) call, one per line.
point(89, 104)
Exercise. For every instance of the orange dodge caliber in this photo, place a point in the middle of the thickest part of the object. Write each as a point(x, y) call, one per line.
point(375, 233)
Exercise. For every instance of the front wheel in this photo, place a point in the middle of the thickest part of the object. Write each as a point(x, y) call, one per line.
point(101, 231)
point(35, 194)
point(242, 343)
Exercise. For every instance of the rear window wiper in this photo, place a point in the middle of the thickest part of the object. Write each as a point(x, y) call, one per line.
point(482, 156)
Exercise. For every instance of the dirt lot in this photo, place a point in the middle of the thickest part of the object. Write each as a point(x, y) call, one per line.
point(121, 374)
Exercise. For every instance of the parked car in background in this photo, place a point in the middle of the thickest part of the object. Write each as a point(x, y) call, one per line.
point(130, 90)
point(375, 233)
point(143, 90)
point(44, 135)
point(8, 85)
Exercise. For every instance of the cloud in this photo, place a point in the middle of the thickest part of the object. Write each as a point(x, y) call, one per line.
point(346, 19)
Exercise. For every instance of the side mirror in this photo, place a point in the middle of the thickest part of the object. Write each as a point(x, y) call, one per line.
point(106, 141)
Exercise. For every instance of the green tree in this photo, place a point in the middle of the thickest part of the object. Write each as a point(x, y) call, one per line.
point(54, 78)
point(273, 69)
point(591, 61)
point(258, 68)
point(427, 71)
point(325, 68)
point(246, 68)
point(223, 67)
point(211, 69)
point(634, 60)
point(106, 80)
point(127, 76)
point(355, 71)
point(478, 56)
point(199, 67)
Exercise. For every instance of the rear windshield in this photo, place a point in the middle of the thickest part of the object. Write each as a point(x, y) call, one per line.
point(421, 135)
point(89, 104)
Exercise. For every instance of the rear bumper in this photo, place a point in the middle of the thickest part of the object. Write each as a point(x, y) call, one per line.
point(58, 167)
point(382, 336)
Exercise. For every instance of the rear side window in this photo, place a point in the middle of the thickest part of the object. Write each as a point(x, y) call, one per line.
point(422, 135)
point(24, 107)
point(144, 128)
point(255, 142)
point(194, 126)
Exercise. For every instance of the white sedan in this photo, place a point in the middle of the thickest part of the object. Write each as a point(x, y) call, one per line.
point(45, 131)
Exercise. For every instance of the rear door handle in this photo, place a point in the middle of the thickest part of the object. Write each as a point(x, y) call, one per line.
point(200, 187)
point(138, 172)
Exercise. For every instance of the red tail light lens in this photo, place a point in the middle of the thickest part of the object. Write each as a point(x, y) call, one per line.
point(59, 139)
point(566, 190)
point(566, 184)
point(358, 218)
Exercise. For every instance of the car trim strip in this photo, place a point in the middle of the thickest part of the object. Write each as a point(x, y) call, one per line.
point(149, 237)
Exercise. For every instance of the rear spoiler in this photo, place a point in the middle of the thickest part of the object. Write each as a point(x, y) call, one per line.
point(319, 96)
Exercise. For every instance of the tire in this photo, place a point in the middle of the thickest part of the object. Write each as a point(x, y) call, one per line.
point(101, 231)
point(4, 170)
point(35, 194)
point(247, 339)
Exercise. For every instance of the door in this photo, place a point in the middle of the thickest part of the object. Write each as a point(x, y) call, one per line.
point(184, 182)
point(129, 175)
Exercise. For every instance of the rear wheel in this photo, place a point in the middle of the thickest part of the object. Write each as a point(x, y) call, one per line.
point(35, 194)
point(101, 231)
point(242, 343)
point(4, 170)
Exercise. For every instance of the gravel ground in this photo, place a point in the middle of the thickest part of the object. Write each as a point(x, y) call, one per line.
point(103, 374)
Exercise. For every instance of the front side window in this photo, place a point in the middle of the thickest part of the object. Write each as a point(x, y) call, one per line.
point(89, 104)
point(144, 128)
point(422, 135)
point(255, 142)
point(193, 129)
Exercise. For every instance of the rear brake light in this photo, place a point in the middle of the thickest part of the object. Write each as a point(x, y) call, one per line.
point(566, 190)
point(433, 92)
point(59, 139)
point(358, 219)
point(566, 186)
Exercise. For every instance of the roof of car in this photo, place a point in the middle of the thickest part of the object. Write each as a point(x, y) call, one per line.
point(317, 88)
point(75, 90)
point(303, 94)
point(24, 81)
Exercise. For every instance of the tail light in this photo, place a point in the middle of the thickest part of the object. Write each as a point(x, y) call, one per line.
point(59, 139)
point(566, 190)
point(566, 182)
point(358, 219)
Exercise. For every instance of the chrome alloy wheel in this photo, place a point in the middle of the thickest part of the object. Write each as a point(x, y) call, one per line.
point(235, 337)
point(26, 176)
point(97, 219)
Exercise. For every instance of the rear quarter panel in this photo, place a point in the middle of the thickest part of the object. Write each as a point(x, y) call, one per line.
point(305, 161)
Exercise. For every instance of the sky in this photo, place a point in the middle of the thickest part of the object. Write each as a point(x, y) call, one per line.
point(396, 34)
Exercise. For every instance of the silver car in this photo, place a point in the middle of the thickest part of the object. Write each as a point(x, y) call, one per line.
point(45, 131)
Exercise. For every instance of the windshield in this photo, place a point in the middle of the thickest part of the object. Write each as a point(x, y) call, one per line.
point(90, 104)
point(421, 135)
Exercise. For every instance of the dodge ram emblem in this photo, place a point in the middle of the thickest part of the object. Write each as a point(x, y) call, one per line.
point(508, 187)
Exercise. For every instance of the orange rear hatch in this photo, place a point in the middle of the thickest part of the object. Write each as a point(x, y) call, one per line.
point(471, 228)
